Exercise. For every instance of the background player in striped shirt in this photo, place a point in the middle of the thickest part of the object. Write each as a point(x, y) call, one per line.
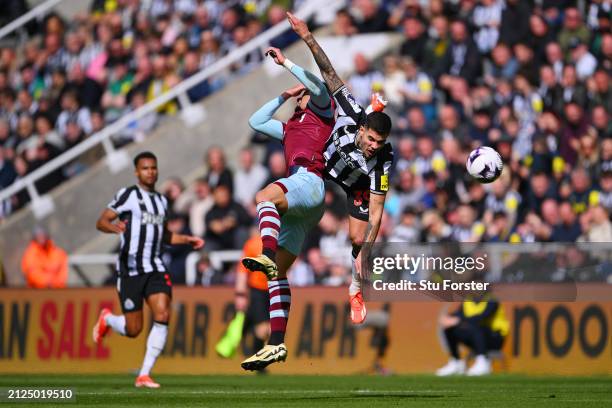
point(138, 213)
point(358, 158)
point(289, 207)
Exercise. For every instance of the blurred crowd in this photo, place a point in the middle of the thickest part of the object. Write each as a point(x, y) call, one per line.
point(72, 78)
point(528, 78)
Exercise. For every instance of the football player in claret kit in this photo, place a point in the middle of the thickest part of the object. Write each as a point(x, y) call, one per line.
point(358, 158)
point(289, 207)
point(138, 213)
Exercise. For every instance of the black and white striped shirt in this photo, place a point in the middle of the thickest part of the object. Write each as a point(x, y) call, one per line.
point(344, 162)
point(141, 243)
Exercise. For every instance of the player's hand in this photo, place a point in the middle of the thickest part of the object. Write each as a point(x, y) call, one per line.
point(294, 91)
point(119, 227)
point(299, 26)
point(378, 103)
point(447, 321)
point(276, 55)
point(240, 303)
point(195, 242)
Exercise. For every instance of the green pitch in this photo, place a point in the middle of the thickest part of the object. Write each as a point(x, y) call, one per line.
point(324, 391)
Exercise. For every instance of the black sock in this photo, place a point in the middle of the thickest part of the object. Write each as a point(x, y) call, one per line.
point(276, 338)
point(257, 344)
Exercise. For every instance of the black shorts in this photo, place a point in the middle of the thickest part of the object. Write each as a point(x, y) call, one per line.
point(259, 306)
point(358, 202)
point(133, 290)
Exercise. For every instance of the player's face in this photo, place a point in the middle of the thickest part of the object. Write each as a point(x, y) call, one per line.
point(146, 172)
point(370, 142)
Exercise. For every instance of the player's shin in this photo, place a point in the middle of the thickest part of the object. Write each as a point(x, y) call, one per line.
point(269, 227)
point(155, 344)
point(355, 286)
point(280, 303)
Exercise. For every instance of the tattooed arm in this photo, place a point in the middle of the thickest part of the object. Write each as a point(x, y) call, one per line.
point(377, 205)
point(328, 72)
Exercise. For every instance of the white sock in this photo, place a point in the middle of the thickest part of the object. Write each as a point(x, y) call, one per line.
point(155, 344)
point(355, 279)
point(116, 322)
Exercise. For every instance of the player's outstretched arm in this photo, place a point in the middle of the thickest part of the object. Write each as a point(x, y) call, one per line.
point(262, 121)
point(317, 89)
point(109, 223)
point(330, 76)
point(173, 238)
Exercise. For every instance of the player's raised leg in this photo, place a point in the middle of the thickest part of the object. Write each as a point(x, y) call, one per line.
point(160, 307)
point(280, 304)
point(271, 203)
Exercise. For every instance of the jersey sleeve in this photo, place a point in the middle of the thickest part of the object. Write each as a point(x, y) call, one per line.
point(319, 98)
point(119, 204)
point(379, 177)
point(348, 106)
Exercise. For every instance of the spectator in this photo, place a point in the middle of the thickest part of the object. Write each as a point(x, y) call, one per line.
point(218, 173)
point(370, 16)
point(249, 178)
point(462, 58)
point(598, 226)
point(71, 109)
point(363, 81)
point(568, 229)
point(418, 88)
point(344, 25)
point(44, 264)
point(226, 222)
point(436, 47)
point(539, 36)
point(584, 61)
point(415, 40)
point(276, 166)
point(486, 19)
point(573, 30)
point(7, 170)
point(481, 325)
point(515, 22)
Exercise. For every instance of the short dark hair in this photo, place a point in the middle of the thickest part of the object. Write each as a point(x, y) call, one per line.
point(379, 122)
point(144, 155)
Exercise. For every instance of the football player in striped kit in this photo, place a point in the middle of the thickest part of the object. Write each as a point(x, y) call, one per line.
point(138, 213)
point(357, 158)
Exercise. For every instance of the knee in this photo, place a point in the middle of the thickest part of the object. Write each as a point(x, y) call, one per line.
point(356, 240)
point(162, 317)
point(133, 330)
point(261, 196)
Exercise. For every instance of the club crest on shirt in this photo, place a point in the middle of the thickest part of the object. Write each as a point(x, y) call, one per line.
point(155, 219)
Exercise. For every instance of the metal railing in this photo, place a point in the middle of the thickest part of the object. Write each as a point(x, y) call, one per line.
point(217, 259)
point(37, 11)
point(117, 160)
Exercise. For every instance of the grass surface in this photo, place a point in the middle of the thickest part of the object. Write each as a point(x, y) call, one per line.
point(324, 391)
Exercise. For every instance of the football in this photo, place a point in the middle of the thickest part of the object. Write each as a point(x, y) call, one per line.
point(484, 164)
